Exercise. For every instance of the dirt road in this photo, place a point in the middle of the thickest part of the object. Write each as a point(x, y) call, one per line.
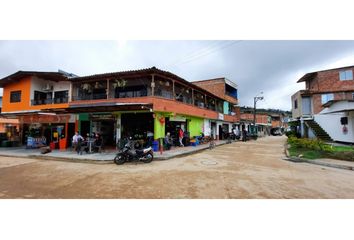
point(239, 170)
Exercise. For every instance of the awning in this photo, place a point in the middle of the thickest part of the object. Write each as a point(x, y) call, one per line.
point(339, 106)
point(107, 107)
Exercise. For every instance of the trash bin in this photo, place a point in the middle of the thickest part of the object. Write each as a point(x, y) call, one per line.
point(155, 146)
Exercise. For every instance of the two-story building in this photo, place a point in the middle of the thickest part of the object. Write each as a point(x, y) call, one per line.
point(128, 103)
point(325, 108)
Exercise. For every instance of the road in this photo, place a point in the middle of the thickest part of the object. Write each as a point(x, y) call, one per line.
point(254, 169)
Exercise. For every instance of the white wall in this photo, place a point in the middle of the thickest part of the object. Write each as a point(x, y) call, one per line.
point(37, 84)
point(331, 124)
point(207, 127)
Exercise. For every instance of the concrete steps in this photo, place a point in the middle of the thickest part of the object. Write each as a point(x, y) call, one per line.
point(318, 131)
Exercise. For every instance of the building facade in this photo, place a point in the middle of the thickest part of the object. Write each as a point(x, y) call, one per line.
point(325, 108)
point(54, 105)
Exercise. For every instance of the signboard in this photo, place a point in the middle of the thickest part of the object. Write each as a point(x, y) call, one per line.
point(105, 116)
point(44, 118)
point(221, 116)
point(177, 119)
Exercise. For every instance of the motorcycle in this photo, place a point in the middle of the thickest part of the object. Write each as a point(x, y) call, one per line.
point(129, 154)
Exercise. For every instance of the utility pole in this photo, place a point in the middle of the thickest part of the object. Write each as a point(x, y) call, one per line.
point(255, 99)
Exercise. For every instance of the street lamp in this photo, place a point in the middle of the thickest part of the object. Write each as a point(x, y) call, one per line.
point(255, 99)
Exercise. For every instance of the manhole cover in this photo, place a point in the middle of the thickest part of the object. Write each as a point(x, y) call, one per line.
point(209, 162)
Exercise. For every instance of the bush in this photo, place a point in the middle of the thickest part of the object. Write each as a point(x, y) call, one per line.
point(313, 144)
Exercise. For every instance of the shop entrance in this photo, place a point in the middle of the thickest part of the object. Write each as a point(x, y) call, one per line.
point(173, 125)
point(137, 126)
point(106, 129)
point(104, 124)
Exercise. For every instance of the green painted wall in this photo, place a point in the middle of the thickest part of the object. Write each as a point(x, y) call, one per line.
point(159, 129)
point(195, 126)
point(82, 117)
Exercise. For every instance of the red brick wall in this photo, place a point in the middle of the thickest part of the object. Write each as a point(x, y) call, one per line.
point(260, 118)
point(167, 105)
point(328, 81)
point(216, 87)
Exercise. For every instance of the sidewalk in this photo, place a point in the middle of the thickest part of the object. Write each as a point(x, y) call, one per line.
point(341, 164)
point(104, 157)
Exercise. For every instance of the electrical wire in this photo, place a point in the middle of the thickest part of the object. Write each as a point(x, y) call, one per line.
point(209, 51)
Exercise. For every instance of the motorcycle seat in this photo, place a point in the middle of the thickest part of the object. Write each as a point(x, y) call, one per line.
point(140, 151)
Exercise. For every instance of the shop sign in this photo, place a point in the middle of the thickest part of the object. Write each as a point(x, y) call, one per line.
point(221, 116)
point(101, 116)
point(28, 119)
point(177, 119)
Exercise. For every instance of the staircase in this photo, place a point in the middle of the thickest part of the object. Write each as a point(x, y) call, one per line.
point(318, 131)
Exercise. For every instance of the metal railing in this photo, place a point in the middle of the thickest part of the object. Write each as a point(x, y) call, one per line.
point(90, 97)
point(35, 102)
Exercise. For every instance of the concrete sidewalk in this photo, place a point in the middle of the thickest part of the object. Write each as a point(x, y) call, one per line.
point(104, 157)
point(341, 164)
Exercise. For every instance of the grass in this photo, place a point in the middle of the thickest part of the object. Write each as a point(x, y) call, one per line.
point(343, 149)
point(339, 152)
point(306, 153)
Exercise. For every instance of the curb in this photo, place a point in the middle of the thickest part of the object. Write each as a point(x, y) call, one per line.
point(186, 153)
point(316, 162)
point(92, 161)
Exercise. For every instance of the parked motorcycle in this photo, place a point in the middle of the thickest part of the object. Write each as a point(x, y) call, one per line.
point(129, 154)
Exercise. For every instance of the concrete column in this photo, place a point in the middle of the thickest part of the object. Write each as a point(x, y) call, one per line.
point(107, 89)
point(152, 85)
point(119, 128)
point(192, 96)
point(70, 92)
point(173, 90)
point(302, 127)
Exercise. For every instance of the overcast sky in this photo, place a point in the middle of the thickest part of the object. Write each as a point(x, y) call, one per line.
point(269, 66)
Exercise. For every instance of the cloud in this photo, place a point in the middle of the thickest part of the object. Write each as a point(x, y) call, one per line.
point(269, 66)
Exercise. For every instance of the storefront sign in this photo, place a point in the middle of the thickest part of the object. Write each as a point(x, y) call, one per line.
point(107, 116)
point(28, 119)
point(177, 119)
point(221, 116)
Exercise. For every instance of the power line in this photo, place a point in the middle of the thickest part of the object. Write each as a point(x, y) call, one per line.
point(193, 53)
point(211, 51)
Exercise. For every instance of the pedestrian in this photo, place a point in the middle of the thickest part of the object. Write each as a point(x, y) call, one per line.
point(180, 137)
point(77, 140)
point(244, 134)
point(167, 141)
point(237, 133)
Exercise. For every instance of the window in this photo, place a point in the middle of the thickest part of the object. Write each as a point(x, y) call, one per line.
point(295, 104)
point(15, 96)
point(326, 97)
point(353, 95)
point(346, 75)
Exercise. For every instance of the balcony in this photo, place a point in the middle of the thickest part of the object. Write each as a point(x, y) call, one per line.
point(35, 102)
point(90, 97)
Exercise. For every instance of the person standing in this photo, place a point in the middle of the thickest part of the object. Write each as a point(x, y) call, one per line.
point(180, 137)
point(77, 140)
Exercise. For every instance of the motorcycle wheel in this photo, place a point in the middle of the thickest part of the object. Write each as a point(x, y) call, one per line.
point(119, 160)
point(148, 158)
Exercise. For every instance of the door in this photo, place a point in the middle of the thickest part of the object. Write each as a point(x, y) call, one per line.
point(306, 106)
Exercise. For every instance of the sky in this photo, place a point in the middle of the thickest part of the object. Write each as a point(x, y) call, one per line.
point(271, 67)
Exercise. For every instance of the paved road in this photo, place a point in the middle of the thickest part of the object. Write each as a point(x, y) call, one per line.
point(239, 170)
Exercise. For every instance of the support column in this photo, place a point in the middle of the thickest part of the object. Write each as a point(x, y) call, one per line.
point(118, 128)
point(173, 90)
point(70, 92)
point(153, 85)
point(302, 126)
point(192, 96)
point(107, 89)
